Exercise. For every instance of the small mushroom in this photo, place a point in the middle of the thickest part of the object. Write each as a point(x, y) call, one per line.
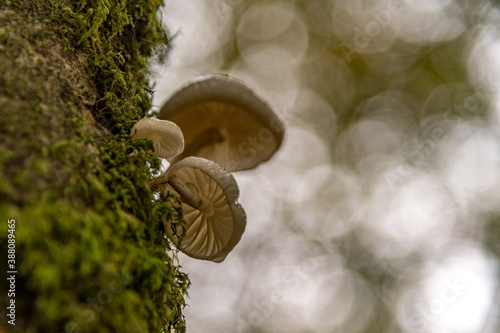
point(166, 136)
point(225, 121)
point(215, 221)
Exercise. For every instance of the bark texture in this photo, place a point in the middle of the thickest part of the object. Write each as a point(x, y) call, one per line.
point(90, 247)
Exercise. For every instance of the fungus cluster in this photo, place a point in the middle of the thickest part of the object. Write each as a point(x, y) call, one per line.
point(208, 128)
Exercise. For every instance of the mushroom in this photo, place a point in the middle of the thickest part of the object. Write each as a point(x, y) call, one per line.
point(215, 221)
point(225, 121)
point(166, 136)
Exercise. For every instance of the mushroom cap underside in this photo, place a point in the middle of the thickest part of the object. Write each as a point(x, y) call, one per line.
point(213, 230)
point(224, 121)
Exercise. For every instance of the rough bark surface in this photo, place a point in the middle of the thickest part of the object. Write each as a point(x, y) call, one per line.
point(90, 248)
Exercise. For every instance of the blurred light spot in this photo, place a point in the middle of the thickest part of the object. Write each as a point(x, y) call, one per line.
point(330, 77)
point(418, 215)
point(429, 21)
point(392, 107)
point(301, 151)
point(470, 164)
point(213, 293)
point(483, 65)
point(271, 34)
point(369, 146)
point(413, 170)
point(297, 287)
point(318, 18)
point(330, 300)
point(396, 60)
point(450, 293)
point(364, 27)
point(278, 86)
point(374, 144)
point(313, 112)
point(197, 37)
point(452, 101)
point(210, 302)
point(266, 21)
point(326, 202)
point(192, 42)
point(262, 209)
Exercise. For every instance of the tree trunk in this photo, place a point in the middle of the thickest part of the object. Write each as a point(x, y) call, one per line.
point(89, 245)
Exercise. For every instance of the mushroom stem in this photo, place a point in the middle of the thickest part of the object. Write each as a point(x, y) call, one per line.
point(162, 180)
point(186, 193)
point(208, 136)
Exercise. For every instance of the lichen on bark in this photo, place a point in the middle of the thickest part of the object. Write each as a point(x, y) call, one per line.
point(90, 247)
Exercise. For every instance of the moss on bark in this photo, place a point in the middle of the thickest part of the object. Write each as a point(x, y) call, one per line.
point(90, 248)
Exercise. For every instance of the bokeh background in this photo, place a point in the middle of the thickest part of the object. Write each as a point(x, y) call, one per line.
point(381, 212)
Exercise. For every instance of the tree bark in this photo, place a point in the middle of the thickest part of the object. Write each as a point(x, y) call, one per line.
point(89, 245)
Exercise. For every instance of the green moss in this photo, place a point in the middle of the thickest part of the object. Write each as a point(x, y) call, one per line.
point(90, 246)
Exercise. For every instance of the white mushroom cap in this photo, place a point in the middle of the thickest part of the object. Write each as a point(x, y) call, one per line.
point(225, 121)
point(166, 136)
point(213, 228)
